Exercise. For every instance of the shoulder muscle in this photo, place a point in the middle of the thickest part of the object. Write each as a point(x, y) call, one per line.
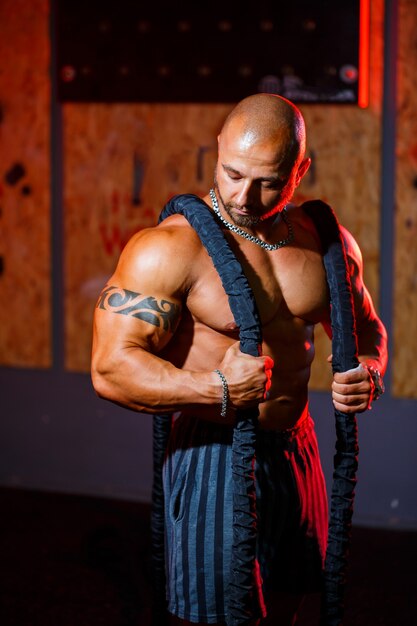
point(160, 259)
point(155, 271)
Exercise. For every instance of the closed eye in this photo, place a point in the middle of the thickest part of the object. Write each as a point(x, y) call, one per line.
point(276, 184)
point(234, 176)
point(232, 173)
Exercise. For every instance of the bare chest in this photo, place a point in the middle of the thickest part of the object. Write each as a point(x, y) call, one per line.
point(288, 283)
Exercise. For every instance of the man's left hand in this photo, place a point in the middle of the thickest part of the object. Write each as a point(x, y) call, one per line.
point(352, 390)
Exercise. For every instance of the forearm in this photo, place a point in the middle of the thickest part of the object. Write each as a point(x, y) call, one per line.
point(144, 382)
point(372, 345)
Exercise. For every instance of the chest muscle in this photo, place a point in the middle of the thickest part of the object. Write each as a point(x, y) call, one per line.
point(287, 284)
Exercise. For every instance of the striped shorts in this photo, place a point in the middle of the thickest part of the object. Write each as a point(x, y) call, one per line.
point(291, 511)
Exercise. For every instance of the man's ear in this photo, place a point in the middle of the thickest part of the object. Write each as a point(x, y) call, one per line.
point(303, 169)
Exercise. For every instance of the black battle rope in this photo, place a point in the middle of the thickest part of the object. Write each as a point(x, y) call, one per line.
point(345, 357)
point(243, 306)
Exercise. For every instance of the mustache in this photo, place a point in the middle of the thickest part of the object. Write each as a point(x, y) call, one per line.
point(249, 218)
point(240, 207)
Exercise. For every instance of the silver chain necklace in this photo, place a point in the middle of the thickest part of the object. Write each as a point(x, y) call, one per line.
point(252, 238)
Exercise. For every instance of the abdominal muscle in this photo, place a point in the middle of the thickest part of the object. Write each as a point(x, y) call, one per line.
point(287, 405)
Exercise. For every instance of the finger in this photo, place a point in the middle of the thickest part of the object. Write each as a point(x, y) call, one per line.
point(353, 375)
point(352, 404)
point(353, 400)
point(350, 377)
point(349, 398)
point(363, 406)
point(352, 390)
point(363, 386)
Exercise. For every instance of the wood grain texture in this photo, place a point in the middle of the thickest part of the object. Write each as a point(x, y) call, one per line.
point(123, 162)
point(175, 146)
point(24, 184)
point(345, 145)
point(405, 260)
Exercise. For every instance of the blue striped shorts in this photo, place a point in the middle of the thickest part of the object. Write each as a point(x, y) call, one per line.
point(291, 511)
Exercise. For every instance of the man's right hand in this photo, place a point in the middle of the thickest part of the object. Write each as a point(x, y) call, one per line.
point(248, 377)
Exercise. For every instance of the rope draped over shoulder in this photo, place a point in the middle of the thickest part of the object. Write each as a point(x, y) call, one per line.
point(243, 307)
point(345, 357)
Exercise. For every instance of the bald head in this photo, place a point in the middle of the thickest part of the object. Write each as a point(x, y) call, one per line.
point(269, 119)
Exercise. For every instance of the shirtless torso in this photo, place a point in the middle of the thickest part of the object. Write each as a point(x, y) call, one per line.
point(176, 327)
point(290, 289)
point(163, 324)
point(170, 264)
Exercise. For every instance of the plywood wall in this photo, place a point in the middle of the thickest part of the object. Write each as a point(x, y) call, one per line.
point(24, 184)
point(122, 162)
point(405, 283)
point(345, 144)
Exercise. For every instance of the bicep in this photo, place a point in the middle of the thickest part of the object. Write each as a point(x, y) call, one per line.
point(128, 318)
point(362, 300)
point(141, 304)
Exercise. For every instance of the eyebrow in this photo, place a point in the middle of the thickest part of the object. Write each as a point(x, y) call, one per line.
point(269, 179)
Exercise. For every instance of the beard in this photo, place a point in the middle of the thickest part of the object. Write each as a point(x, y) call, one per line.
point(254, 218)
point(238, 219)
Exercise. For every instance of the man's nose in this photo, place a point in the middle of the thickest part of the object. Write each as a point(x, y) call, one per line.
point(245, 193)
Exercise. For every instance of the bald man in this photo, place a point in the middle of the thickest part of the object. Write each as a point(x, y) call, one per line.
point(173, 347)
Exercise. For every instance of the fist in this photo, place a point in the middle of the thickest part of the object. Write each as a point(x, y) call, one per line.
point(248, 377)
point(352, 390)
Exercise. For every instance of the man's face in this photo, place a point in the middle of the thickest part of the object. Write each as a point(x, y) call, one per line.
point(251, 179)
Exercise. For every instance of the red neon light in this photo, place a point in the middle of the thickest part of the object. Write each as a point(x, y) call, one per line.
point(364, 53)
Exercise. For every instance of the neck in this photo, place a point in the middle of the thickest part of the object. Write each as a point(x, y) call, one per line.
point(254, 238)
point(260, 228)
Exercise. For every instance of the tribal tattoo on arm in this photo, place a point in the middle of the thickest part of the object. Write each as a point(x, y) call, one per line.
point(159, 313)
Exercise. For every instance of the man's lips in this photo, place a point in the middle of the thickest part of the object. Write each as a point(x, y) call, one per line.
point(240, 210)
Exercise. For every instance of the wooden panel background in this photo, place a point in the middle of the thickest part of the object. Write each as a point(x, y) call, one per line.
point(24, 184)
point(345, 143)
point(405, 288)
point(122, 162)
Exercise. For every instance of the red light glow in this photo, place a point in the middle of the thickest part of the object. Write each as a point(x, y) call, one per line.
point(364, 45)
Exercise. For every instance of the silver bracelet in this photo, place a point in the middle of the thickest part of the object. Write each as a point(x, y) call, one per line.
point(225, 396)
point(376, 381)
